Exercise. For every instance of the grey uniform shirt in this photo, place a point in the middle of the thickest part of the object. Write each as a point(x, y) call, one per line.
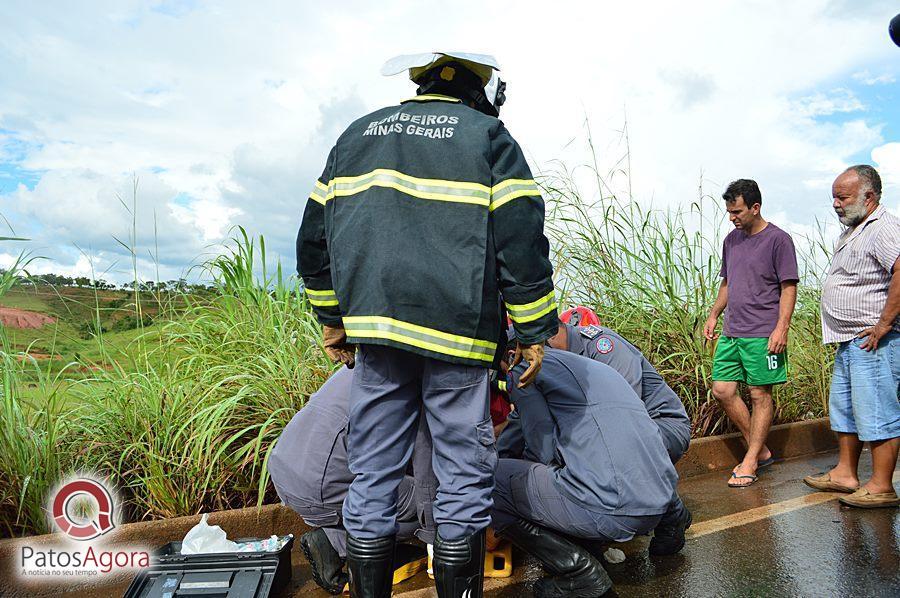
point(607, 347)
point(665, 408)
point(585, 419)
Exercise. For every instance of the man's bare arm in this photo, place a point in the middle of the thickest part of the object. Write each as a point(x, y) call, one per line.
point(709, 330)
point(779, 337)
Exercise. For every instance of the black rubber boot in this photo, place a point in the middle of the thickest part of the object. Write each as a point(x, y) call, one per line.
point(371, 566)
point(668, 537)
point(409, 559)
point(459, 566)
point(326, 564)
point(576, 573)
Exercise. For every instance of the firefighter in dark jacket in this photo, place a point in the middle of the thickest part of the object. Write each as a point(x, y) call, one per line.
point(425, 224)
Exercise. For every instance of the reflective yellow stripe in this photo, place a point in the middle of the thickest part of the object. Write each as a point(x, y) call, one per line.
point(319, 193)
point(501, 384)
point(433, 97)
point(510, 189)
point(319, 303)
point(419, 336)
point(434, 189)
point(325, 298)
point(529, 312)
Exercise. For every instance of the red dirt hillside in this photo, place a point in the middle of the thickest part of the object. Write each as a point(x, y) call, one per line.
point(20, 318)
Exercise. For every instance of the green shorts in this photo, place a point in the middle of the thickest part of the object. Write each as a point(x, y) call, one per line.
point(748, 360)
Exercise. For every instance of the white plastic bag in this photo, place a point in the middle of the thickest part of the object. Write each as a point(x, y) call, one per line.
point(204, 538)
point(614, 555)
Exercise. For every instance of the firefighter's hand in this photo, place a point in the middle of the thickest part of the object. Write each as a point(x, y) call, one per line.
point(534, 355)
point(337, 348)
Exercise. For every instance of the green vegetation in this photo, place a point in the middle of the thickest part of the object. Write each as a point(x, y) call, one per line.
point(653, 275)
point(176, 394)
point(180, 415)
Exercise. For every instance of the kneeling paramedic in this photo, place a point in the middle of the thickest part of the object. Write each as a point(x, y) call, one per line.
point(309, 470)
point(661, 402)
point(597, 471)
point(426, 217)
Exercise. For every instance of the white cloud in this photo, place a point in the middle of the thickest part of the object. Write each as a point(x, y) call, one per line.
point(826, 104)
point(228, 112)
point(887, 160)
point(867, 78)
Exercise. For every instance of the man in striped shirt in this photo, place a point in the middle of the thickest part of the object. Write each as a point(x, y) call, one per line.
point(860, 307)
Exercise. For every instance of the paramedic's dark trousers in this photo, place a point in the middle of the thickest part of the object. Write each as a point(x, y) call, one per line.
point(389, 388)
point(328, 517)
point(526, 490)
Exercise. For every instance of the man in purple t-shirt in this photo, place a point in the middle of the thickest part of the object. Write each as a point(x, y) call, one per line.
point(759, 287)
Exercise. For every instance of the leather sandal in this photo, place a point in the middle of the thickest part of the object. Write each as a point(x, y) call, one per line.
point(823, 482)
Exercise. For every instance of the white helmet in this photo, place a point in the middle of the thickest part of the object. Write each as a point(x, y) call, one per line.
point(482, 65)
point(487, 94)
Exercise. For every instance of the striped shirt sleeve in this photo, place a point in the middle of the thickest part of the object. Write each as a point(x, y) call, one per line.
point(886, 245)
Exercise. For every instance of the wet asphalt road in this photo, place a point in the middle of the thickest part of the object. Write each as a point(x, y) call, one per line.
point(776, 538)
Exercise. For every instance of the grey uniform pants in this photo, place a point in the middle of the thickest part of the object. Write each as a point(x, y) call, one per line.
point(390, 386)
point(328, 517)
point(526, 490)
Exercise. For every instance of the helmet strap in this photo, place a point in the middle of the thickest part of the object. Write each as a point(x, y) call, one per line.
point(454, 79)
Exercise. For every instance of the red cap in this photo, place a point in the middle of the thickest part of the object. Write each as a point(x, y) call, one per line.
point(580, 316)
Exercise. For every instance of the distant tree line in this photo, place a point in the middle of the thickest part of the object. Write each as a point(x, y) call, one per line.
point(59, 280)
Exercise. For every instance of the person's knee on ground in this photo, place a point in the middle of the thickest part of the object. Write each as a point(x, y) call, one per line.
point(575, 571)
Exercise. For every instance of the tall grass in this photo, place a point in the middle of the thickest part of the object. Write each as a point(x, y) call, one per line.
point(183, 420)
point(30, 457)
point(652, 275)
point(190, 429)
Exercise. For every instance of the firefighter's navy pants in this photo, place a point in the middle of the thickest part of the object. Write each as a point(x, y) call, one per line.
point(389, 388)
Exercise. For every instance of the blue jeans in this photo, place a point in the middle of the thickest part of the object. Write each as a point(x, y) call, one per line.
point(865, 389)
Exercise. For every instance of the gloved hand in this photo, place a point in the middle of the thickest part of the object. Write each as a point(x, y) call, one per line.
point(534, 355)
point(337, 348)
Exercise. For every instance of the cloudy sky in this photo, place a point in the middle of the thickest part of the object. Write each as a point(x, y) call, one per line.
point(224, 111)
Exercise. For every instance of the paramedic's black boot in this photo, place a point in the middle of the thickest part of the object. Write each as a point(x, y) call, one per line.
point(326, 564)
point(371, 565)
point(668, 537)
point(459, 566)
point(409, 559)
point(575, 572)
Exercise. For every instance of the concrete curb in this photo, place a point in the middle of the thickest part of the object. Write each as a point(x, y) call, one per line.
point(704, 455)
point(785, 440)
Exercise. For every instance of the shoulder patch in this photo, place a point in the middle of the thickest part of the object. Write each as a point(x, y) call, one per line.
point(604, 345)
point(589, 331)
